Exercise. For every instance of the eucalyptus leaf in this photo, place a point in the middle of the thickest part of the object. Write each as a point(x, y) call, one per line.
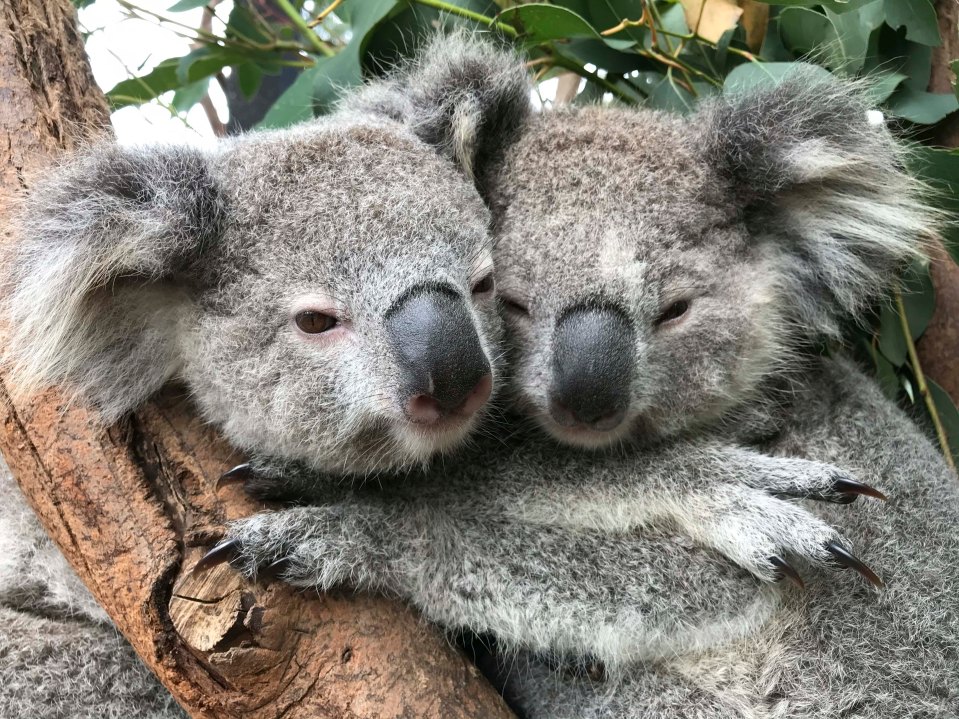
point(918, 17)
point(138, 90)
point(538, 23)
point(189, 95)
point(918, 298)
point(892, 341)
point(296, 103)
point(205, 61)
point(769, 74)
point(924, 108)
point(185, 5)
point(248, 78)
point(882, 85)
point(837, 6)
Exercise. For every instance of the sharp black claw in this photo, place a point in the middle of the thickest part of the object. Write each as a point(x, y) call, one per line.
point(222, 552)
point(852, 488)
point(239, 473)
point(846, 559)
point(787, 571)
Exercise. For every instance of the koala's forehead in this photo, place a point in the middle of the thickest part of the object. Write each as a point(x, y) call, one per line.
point(302, 200)
point(614, 168)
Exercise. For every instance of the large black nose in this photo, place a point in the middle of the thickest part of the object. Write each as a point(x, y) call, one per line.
point(443, 367)
point(593, 350)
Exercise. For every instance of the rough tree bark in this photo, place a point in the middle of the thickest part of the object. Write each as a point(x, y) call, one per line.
point(939, 346)
point(132, 506)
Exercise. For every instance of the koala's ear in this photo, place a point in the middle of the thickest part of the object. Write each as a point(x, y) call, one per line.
point(91, 286)
point(464, 95)
point(813, 173)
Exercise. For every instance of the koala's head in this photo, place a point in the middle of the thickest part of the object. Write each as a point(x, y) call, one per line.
point(325, 292)
point(657, 271)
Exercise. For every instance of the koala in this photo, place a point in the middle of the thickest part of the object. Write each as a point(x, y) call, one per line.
point(667, 281)
point(352, 334)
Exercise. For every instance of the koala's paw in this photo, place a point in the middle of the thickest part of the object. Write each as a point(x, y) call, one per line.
point(806, 479)
point(759, 531)
point(305, 546)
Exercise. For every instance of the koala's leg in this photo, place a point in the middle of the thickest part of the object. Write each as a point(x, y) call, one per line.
point(734, 500)
point(618, 598)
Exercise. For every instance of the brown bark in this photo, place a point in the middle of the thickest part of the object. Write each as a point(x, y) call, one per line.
point(133, 505)
point(939, 346)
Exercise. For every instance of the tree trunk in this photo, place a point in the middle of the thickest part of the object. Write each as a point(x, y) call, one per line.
point(133, 506)
point(939, 346)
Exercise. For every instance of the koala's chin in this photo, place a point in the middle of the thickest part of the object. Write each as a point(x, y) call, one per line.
point(586, 437)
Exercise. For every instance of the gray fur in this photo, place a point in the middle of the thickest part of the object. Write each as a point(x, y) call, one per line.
point(59, 655)
point(551, 549)
point(137, 265)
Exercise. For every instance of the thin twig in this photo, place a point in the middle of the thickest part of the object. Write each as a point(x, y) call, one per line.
point(318, 20)
point(921, 381)
point(470, 15)
point(307, 32)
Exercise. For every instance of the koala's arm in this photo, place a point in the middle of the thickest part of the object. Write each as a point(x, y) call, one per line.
point(619, 599)
point(735, 500)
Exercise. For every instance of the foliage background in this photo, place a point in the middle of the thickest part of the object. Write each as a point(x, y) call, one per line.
point(283, 61)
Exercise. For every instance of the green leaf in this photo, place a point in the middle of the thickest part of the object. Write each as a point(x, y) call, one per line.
point(316, 89)
point(892, 342)
point(919, 18)
point(248, 78)
point(924, 108)
point(848, 42)
point(918, 298)
point(836, 6)
point(538, 23)
point(769, 74)
point(189, 95)
point(138, 90)
point(185, 5)
point(203, 62)
point(948, 416)
point(803, 30)
point(841, 40)
point(667, 95)
point(296, 103)
point(882, 85)
point(886, 374)
point(940, 169)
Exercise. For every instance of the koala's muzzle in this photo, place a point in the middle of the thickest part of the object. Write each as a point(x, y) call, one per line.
point(592, 368)
point(444, 370)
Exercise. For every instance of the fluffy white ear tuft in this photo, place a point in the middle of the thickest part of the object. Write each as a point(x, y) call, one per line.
point(817, 175)
point(90, 285)
point(464, 95)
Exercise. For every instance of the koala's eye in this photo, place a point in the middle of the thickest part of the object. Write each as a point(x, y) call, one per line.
point(484, 285)
point(673, 312)
point(313, 323)
point(514, 306)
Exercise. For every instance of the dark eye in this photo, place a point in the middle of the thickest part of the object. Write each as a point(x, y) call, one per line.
point(313, 323)
point(484, 285)
point(673, 312)
point(514, 306)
